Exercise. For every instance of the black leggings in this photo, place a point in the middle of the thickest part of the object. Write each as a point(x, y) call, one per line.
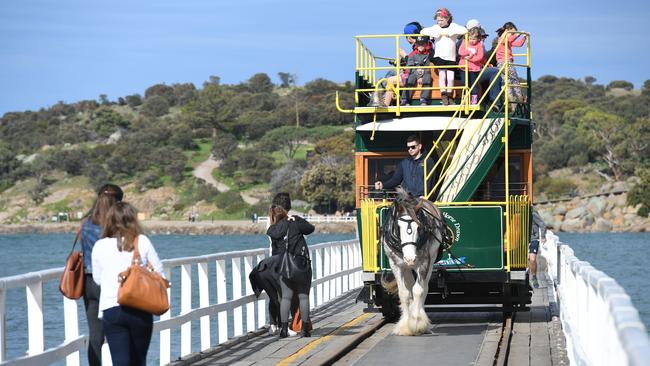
point(95, 331)
point(287, 294)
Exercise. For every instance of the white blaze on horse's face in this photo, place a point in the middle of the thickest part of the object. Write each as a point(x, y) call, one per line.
point(408, 233)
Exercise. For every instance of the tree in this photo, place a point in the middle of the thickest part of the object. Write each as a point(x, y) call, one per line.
point(287, 178)
point(155, 106)
point(645, 90)
point(103, 99)
point(330, 187)
point(287, 79)
point(622, 84)
point(184, 93)
point(224, 144)
point(162, 90)
point(105, 121)
point(607, 135)
point(287, 138)
point(133, 100)
point(260, 83)
point(589, 80)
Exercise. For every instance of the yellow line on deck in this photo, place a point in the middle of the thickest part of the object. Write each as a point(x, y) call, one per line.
point(311, 345)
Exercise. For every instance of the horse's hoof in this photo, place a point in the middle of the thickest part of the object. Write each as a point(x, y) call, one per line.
point(402, 329)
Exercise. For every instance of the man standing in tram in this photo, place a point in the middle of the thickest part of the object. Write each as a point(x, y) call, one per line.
point(410, 171)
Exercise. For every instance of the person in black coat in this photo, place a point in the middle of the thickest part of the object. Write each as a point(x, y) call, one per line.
point(287, 233)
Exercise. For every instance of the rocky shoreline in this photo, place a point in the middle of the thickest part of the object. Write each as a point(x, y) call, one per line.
point(607, 213)
point(161, 227)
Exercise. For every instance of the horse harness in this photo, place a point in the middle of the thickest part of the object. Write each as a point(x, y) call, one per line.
point(430, 223)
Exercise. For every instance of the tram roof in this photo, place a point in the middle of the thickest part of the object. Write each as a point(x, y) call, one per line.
point(419, 123)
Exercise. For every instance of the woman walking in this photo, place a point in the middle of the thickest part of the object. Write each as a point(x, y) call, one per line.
point(90, 232)
point(127, 330)
point(286, 233)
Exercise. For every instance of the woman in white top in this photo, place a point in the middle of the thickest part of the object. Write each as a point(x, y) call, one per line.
point(445, 34)
point(128, 331)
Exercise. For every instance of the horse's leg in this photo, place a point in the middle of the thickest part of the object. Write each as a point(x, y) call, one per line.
point(404, 279)
point(420, 320)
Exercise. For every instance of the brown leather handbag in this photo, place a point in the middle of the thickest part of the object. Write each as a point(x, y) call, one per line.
point(142, 287)
point(73, 277)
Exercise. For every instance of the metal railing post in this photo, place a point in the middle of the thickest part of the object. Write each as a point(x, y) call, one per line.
point(166, 335)
point(222, 316)
point(558, 269)
point(204, 301)
point(3, 325)
point(186, 307)
point(35, 317)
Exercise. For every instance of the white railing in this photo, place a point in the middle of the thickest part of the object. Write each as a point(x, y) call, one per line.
point(336, 268)
point(319, 218)
point(600, 323)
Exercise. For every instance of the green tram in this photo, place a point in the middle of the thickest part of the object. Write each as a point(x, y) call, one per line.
point(482, 179)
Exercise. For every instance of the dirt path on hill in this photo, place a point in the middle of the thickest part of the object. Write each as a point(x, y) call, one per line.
point(204, 171)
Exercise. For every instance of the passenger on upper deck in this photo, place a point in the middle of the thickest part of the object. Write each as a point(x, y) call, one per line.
point(445, 34)
point(418, 57)
point(410, 171)
point(392, 77)
point(472, 55)
point(514, 40)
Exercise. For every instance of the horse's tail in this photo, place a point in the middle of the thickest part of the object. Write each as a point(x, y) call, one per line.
point(389, 283)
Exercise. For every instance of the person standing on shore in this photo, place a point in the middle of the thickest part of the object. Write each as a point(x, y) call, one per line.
point(91, 232)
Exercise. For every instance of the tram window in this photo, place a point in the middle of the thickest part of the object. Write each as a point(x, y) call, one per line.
point(381, 168)
point(493, 186)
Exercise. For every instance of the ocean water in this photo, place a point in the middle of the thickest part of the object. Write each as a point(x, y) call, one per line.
point(27, 253)
point(623, 256)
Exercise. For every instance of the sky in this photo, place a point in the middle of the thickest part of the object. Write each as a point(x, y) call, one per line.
point(71, 50)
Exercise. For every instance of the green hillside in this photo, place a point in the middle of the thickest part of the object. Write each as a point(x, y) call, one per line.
point(267, 138)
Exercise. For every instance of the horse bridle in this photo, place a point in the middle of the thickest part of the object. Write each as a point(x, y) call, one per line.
point(409, 230)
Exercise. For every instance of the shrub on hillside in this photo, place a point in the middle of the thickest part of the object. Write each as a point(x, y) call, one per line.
point(556, 187)
point(640, 193)
point(155, 106)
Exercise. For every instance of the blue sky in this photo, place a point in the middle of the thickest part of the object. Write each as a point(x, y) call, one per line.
point(73, 50)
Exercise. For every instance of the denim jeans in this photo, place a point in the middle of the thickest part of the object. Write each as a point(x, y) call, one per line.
point(484, 81)
point(95, 331)
point(128, 332)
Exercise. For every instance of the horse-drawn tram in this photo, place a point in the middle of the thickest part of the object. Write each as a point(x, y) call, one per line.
point(474, 211)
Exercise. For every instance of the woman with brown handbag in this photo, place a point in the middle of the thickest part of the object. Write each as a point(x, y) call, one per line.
point(90, 233)
point(128, 330)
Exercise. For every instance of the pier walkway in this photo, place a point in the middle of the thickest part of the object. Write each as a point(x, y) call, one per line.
point(345, 335)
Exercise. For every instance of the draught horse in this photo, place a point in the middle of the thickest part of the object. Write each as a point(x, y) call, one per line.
point(412, 236)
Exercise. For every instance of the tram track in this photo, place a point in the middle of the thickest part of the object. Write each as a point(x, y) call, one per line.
point(503, 350)
point(365, 341)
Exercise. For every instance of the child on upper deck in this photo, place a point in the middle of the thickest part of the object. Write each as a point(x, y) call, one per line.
point(445, 34)
point(514, 40)
point(472, 55)
point(418, 57)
